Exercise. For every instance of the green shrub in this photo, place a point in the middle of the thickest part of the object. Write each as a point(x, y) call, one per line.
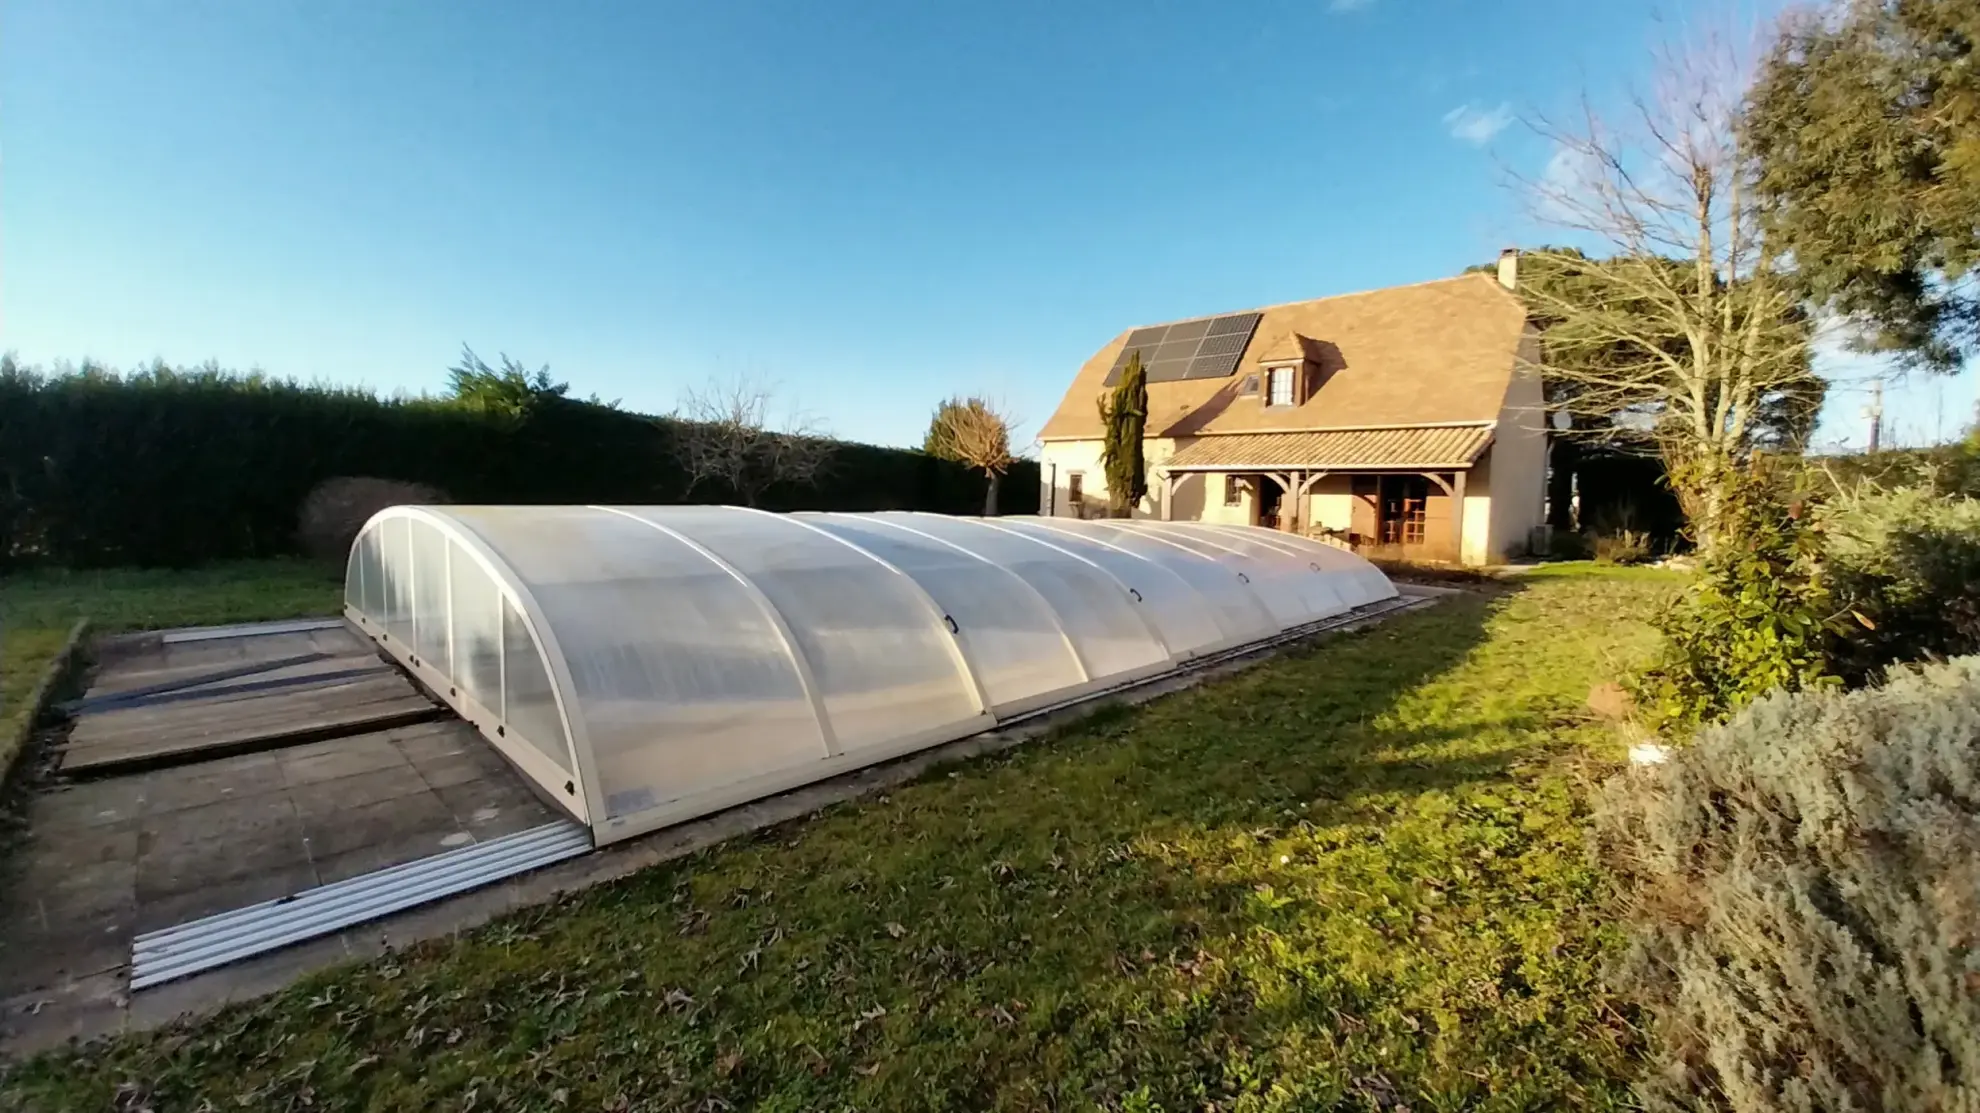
point(1950, 469)
point(337, 509)
point(1569, 545)
point(1755, 619)
point(170, 467)
point(1624, 546)
point(1906, 564)
point(1802, 889)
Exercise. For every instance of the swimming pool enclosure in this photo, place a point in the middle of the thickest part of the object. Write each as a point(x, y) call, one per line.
point(644, 665)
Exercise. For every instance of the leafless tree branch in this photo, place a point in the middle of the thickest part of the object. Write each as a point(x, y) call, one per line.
point(732, 433)
point(1697, 332)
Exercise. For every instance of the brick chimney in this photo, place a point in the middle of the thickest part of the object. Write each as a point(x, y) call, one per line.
point(1509, 268)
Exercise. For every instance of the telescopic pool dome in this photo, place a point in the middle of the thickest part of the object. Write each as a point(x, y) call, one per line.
point(644, 665)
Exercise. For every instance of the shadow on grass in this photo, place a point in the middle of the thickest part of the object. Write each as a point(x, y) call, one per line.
point(1345, 878)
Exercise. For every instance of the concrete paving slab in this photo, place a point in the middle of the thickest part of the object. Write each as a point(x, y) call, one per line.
point(321, 798)
point(448, 772)
point(186, 864)
point(351, 863)
point(349, 757)
point(375, 824)
point(223, 896)
point(84, 892)
point(268, 815)
point(488, 809)
point(168, 790)
point(65, 808)
point(82, 1008)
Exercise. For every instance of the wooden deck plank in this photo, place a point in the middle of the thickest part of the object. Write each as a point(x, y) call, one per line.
point(217, 683)
point(178, 703)
point(140, 753)
point(252, 708)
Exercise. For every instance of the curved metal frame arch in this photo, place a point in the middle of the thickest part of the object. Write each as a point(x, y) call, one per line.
point(1217, 617)
point(1132, 592)
point(510, 587)
point(942, 619)
point(1230, 544)
point(1085, 670)
point(1243, 577)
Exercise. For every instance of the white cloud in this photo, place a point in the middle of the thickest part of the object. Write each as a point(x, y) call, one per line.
point(1477, 126)
point(1347, 5)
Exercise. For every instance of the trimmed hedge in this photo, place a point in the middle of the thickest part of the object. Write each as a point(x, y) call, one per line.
point(168, 467)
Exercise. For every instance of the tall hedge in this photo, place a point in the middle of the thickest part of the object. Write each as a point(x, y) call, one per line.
point(170, 467)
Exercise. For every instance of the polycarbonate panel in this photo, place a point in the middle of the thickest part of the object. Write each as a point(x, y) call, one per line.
point(1359, 582)
point(1282, 597)
point(354, 577)
point(886, 667)
point(369, 598)
point(1296, 576)
point(683, 678)
point(1012, 638)
point(1187, 623)
point(1095, 609)
point(1237, 605)
point(395, 555)
point(429, 595)
point(475, 605)
point(529, 702)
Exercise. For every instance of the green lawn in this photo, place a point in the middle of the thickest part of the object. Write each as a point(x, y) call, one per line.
point(150, 599)
point(37, 609)
point(1350, 878)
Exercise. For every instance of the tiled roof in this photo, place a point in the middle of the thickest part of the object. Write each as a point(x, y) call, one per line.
point(1439, 447)
point(1434, 353)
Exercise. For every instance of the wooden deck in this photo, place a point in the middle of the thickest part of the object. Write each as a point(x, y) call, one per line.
point(162, 704)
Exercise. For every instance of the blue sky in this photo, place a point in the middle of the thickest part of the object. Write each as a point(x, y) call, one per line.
point(875, 204)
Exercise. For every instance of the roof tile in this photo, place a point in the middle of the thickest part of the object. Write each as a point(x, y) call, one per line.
point(1433, 353)
point(1445, 447)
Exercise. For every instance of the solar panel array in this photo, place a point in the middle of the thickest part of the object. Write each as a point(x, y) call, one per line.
point(1206, 348)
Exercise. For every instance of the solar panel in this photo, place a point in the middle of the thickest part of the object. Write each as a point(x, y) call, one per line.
point(1235, 323)
point(1204, 348)
point(1227, 345)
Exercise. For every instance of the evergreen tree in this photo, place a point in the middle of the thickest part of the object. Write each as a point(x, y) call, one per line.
point(1124, 413)
point(1866, 121)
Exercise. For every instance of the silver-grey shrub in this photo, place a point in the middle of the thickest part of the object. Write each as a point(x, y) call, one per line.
point(1804, 885)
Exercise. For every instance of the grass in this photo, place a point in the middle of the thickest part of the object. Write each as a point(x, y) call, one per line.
point(121, 599)
point(1350, 878)
point(37, 609)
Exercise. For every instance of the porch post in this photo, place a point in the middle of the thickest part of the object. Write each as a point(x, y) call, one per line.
point(1307, 480)
point(1169, 479)
point(1285, 482)
point(1457, 513)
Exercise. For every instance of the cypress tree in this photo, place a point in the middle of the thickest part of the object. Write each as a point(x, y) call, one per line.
point(1124, 412)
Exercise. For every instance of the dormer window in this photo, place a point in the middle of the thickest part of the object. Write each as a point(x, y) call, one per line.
point(1290, 371)
point(1281, 384)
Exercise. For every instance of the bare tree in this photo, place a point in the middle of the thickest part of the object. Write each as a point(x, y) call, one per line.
point(1687, 331)
point(976, 433)
point(733, 434)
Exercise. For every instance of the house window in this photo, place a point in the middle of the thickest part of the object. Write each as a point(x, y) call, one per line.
point(1233, 491)
point(1075, 489)
point(1279, 386)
